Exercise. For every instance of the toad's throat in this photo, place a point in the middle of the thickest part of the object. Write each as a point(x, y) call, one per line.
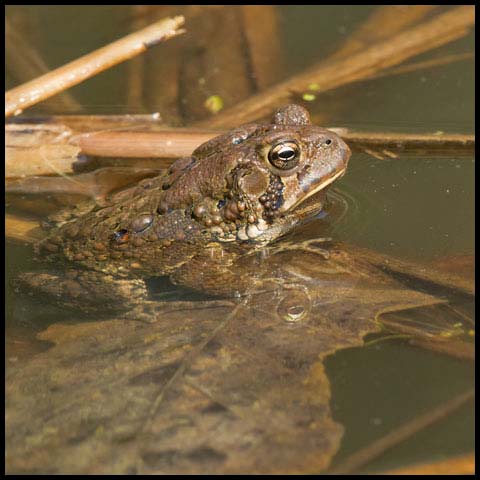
point(319, 187)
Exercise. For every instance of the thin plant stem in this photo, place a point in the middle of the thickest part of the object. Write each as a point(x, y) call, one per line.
point(19, 98)
point(365, 455)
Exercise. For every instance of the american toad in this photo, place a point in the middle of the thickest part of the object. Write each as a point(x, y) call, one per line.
point(235, 194)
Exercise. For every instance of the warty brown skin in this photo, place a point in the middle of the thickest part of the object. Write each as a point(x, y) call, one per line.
point(236, 193)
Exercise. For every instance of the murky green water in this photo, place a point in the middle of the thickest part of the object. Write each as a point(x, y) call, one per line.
point(418, 207)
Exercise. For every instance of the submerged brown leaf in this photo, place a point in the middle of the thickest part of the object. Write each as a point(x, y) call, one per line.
point(213, 388)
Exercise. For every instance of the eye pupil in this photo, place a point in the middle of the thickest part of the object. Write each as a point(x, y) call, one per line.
point(284, 156)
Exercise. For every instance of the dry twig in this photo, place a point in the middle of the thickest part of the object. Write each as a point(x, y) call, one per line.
point(54, 147)
point(30, 93)
point(182, 142)
point(166, 144)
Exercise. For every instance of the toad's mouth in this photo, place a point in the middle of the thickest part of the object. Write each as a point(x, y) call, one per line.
point(326, 182)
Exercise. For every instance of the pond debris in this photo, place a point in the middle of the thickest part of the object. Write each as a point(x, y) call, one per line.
point(365, 455)
point(435, 62)
point(333, 73)
point(383, 22)
point(56, 144)
point(309, 97)
point(214, 103)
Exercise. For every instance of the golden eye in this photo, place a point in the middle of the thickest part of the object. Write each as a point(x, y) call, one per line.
point(284, 155)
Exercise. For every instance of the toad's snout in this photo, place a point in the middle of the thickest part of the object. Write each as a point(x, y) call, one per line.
point(326, 160)
point(345, 152)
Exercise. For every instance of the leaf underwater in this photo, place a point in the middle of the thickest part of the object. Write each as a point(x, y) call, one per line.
point(209, 387)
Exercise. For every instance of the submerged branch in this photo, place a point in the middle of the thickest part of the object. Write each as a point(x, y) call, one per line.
point(365, 455)
point(333, 73)
point(136, 67)
point(422, 274)
point(261, 28)
point(41, 88)
point(96, 184)
point(454, 348)
point(434, 62)
point(384, 22)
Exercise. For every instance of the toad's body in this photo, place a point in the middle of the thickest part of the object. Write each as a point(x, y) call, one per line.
point(237, 192)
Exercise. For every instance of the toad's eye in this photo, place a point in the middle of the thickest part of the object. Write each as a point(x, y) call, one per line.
point(284, 155)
